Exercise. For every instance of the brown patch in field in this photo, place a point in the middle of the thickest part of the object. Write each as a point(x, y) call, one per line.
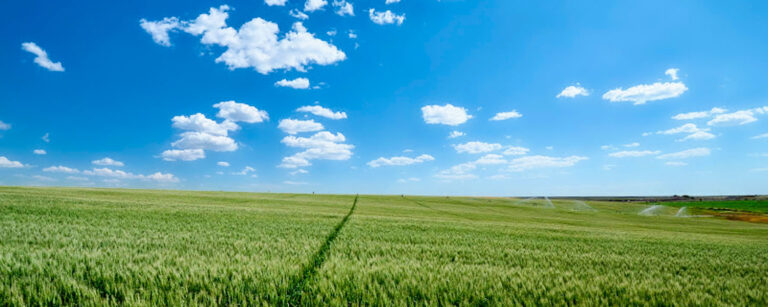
point(740, 216)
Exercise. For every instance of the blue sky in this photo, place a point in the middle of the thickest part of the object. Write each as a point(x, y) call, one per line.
point(416, 97)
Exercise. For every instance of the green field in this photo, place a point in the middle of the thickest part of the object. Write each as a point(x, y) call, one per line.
point(760, 205)
point(143, 247)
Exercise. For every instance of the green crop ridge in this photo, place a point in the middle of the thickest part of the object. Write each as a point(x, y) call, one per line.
point(296, 289)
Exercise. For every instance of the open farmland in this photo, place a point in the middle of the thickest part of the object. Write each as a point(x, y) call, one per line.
point(145, 247)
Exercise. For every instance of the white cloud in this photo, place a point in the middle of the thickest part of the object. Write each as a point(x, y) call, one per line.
point(386, 17)
point(201, 140)
point(688, 153)
point(737, 118)
point(6, 163)
point(299, 171)
point(476, 147)
point(323, 112)
point(162, 177)
point(698, 136)
point(256, 43)
point(506, 115)
point(275, 2)
point(454, 134)
point(640, 94)
point(701, 114)
point(686, 128)
point(61, 169)
point(608, 147)
point(344, 8)
point(298, 83)
point(573, 91)
point(760, 136)
point(490, 159)
point(352, 34)
point(183, 154)
point(314, 5)
point(632, 145)
point(39, 151)
point(320, 146)
point(199, 123)
point(240, 112)
point(223, 163)
point(246, 170)
point(43, 178)
point(672, 73)
point(118, 174)
point(406, 180)
point(160, 29)
point(391, 1)
point(446, 115)
point(331, 32)
point(399, 161)
point(46, 137)
point(675, 163)
point(533, 162)
point(633, 153)
point(107, 162)
point(298, 14)
point(516, 151)
point(294, 126)
point(4, 126)
point(41, 57)
point(458, 172)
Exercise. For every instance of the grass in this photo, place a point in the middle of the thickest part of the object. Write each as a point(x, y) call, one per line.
point(146, 248)
point(757, 205)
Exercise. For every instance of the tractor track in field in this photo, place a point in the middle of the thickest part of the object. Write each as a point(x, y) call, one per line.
point(299, 282)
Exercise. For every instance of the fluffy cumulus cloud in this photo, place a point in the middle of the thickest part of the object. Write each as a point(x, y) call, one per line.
point(634, 153)
point(4, 126)
point(672, 73)
point(534, 162)
point(298, 14)
point(61, 169)
point(506, 115)
point(385, 17)
point(694, 132)
point(458, 172)
point(256, 43)
point(202, 133)
point(322, 112)
point(454, 134)
point(685, 154)
point(294, 126)
point(240, 112)
point(445, 115)
point(298, 83)
point(107, 161)
point(39, 152)
point(344, 8)
point(640, 94)
point(476, 147)
point(183, 154)
point(7, 163)
point(314, 5)
point(391, 1)
point(738, 118)
point(320, 146)
point(491, 159)
point(399, 161)
point(699, 114)
point(223, 163)
point(160, 29)
point(516, 151)
point(119, 174)
point(275, 2)
point(41, 57)
point(573, 91)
